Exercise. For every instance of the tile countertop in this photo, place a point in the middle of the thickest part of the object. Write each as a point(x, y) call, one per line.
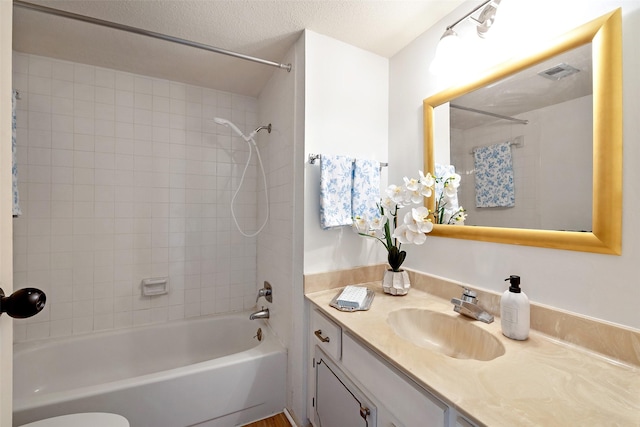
point(537, 382)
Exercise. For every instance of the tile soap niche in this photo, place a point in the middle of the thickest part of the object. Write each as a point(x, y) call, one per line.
point(155, 286)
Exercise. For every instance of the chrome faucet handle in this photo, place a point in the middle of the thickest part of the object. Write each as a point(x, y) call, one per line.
point(469, 296)
point(265, 292)
point(468, 306)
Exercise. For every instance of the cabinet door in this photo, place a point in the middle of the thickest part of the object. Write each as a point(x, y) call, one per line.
point(338, 403)
point(408, 403)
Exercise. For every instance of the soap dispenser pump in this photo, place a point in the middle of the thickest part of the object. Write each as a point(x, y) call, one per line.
point(515, 311)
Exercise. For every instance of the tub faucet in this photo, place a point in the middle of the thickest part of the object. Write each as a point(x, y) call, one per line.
point(468, 305)
point(262, 314)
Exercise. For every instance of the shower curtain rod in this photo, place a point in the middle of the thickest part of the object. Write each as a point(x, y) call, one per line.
point(486, 113)
point(147, 33)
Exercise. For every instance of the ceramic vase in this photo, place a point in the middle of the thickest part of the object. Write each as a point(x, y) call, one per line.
point(396, 282)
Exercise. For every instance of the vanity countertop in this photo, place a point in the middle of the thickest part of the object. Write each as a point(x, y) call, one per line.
point(537, 382)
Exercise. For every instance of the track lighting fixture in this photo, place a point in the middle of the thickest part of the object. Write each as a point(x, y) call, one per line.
point(448, 50)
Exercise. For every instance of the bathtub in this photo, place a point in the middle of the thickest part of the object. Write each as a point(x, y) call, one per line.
point(208, 371)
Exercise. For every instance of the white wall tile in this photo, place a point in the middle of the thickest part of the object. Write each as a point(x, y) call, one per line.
point(125, 177)
point(105, 78)
point(84, 74)
point(62, 88)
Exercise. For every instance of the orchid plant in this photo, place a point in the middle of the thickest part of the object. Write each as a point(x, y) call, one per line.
point(415, 223)
point(447, 212)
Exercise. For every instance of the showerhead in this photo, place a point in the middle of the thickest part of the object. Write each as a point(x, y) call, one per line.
point(227, 123)
point(249, 138)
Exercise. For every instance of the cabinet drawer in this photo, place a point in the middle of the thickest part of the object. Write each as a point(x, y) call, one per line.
point(326, 334)
point(411, 405)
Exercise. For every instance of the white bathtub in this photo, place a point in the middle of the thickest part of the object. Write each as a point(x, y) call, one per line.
point(207, 371)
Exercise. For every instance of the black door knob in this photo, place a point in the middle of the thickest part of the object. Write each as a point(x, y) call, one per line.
point(22, 303)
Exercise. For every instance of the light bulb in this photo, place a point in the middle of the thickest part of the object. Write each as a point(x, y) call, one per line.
point(447, 53)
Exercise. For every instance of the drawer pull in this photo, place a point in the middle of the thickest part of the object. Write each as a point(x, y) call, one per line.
point(318, 334)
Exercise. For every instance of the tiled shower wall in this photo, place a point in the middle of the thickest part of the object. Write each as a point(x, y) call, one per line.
point(124, 177)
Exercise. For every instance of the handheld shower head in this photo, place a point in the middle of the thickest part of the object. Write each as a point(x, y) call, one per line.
point(249, 139)
point(228, 124)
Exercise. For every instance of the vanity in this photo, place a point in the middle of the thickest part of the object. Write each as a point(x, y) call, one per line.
point(398, 380)
point(413, 361)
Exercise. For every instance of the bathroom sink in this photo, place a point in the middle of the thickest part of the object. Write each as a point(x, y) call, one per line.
point(453, 336)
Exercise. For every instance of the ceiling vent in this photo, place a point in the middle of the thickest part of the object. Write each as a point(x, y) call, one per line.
point(558, 72)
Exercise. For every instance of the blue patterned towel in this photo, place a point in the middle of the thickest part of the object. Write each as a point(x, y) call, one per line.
point(336, 182)
point(494, 176)
point(366, 189)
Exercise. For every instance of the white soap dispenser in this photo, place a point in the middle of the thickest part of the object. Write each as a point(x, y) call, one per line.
point(515, 311)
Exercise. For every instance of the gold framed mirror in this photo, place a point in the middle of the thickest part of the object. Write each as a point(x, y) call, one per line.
point(604, 34)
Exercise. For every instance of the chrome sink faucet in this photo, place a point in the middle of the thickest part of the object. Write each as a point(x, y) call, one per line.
point(468, 305)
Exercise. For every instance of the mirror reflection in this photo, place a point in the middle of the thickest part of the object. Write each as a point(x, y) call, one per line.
point(523, 146)
point(566, 162)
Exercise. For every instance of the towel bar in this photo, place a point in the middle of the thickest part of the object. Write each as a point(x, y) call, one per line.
point(517, 142)
point(314, 157)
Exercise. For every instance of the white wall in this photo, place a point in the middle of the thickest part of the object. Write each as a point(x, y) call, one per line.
point(124, 177)
point(601, 286)
point(346, 112)
point(280, 243)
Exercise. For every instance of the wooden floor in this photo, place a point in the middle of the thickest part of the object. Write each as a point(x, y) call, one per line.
point(278, 420)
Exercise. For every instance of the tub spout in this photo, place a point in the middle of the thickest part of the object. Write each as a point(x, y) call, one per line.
point(262, 314)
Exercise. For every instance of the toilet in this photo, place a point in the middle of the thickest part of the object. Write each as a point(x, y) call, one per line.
point(88, 419)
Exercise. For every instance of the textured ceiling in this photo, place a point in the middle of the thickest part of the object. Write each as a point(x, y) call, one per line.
point(527, 91)
point(261, 28)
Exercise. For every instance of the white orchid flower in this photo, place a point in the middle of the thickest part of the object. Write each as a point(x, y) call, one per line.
point(426, 184)
point(414, 197)
point(418, 220)
point(450, 189)
point(405, 235)
point(389, 207)
point(421, 218)
point(426, 191)
point(427, 180)
point(377, 223)
point(451, 185)
point(454, 180)
point(419, 238)
point(411, 184)
point(360, 224)
point(396, 193)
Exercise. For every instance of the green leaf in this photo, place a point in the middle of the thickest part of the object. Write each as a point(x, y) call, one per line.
point(396, 258)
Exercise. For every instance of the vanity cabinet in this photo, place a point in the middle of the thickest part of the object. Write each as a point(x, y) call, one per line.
point(347, 377)
point(411, 405)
